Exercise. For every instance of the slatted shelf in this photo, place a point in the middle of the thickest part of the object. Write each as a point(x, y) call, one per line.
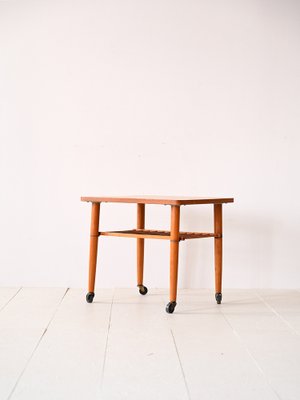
point(156, 234)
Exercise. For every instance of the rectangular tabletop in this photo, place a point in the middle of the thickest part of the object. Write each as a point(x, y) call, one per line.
point(171, 200)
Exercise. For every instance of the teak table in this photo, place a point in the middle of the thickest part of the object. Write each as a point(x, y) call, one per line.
point(174, 236)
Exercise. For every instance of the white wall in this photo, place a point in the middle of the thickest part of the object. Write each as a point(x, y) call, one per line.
point(149, 97)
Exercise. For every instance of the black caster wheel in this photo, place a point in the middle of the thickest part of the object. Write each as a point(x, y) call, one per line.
point(218, 297)
point(170, 307)
point(142, 289)
point(90, 297)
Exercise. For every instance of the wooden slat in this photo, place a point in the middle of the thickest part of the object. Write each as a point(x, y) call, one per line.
point(134, 233)
point(195, 235)
point(156, 234)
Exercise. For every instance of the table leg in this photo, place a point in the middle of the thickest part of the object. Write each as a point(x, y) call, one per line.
point(218, 251)
point(94, 234)
point(140, 249)
point(174, 250)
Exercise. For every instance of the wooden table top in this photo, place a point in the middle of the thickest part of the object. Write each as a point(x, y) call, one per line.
point(171, 200)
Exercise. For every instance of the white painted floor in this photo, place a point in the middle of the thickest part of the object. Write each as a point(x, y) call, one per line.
point(53, 345)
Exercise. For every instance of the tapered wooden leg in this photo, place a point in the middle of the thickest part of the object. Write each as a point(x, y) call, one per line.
point(140, 249)
point(218, 251)
point(94, 234)
point(174, 250)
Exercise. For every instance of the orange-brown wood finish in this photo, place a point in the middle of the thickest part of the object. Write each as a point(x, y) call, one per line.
point(93, 245)
point(218, 247)
point(171, 200)
point(174, 250)
point(140, 244)
point(173, 235)
point(156, 234)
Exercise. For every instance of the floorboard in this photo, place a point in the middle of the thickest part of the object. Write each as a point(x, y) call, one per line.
point(141, 357)
point(215, 363)
point(54, 345)
point(22, 324)
point(68, 362)
point(6, 295)
point(268, 338)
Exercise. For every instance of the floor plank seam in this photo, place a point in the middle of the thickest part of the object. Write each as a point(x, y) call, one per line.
point(278, 315)
point(10, 299)
point(181, 367)
point(36, 347)
point(106, 343)
point(251, 356)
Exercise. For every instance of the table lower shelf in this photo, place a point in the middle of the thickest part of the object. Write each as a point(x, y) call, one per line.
point(156, 234)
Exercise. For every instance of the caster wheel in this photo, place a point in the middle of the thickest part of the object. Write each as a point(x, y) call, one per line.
point(218, 297)
point(90, 297)
point(170, 307)
point(142, 289)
